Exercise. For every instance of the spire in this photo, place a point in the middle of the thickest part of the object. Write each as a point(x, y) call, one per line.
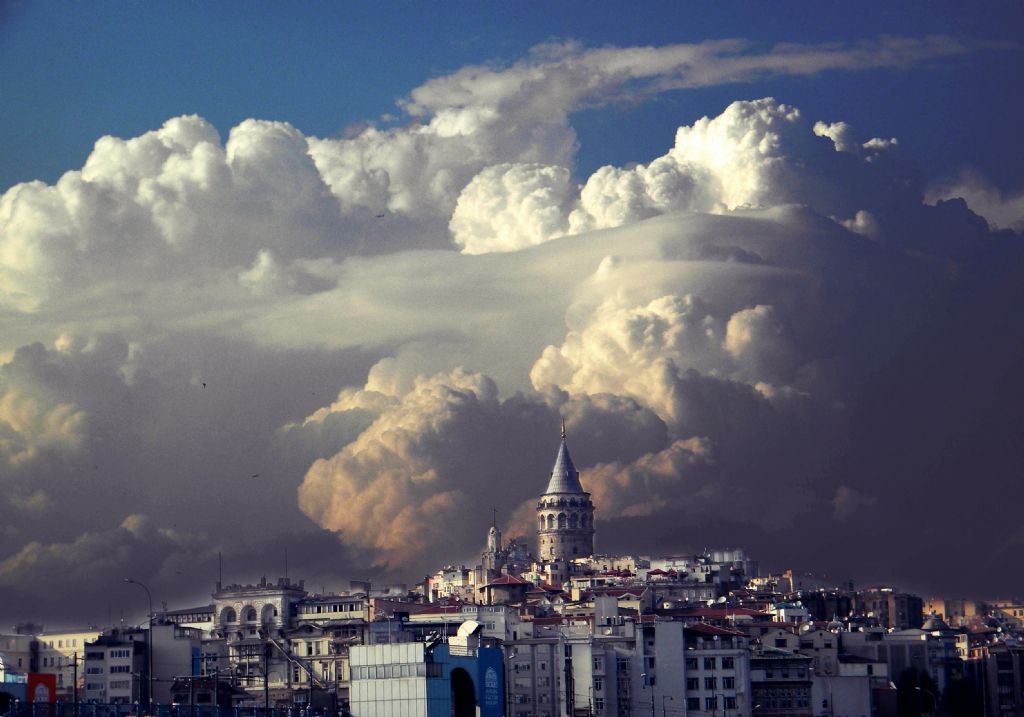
point(564, 476)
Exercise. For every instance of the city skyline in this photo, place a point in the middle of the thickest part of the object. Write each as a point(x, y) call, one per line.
point(328, 283)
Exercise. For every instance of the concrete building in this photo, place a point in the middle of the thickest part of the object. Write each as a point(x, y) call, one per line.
point(116, 668)
point(780, 683)
point(17, 655)
point(458, 678)
point(716, 672)
point(177, 652)
point(890, 608)
point(1003, 684)
point(56, 653)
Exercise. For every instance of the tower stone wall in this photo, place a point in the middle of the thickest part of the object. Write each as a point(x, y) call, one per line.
point(565, 515)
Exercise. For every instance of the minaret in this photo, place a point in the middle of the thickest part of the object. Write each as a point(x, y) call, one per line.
point(565, 515)
point(489, 560)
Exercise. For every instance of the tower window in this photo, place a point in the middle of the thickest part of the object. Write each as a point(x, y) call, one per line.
point(561, 520)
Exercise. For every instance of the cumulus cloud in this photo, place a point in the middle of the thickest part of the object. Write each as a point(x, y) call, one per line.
point(508, 207)
point(1003, 210)
point(755, 154)
point(174, 200)
point(766, 336)
point(397, 488)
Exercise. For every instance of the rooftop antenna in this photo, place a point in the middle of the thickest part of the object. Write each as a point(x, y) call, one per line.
point(286, 563)
point(220, 570)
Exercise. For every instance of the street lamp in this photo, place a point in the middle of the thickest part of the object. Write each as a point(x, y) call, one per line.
point(646, 679)
point(664, 712)
point(930, 696)
point(149, 639)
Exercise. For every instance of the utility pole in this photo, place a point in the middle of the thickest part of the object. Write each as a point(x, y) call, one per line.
point(266, 678)
point(74, 683)
point(149, 639)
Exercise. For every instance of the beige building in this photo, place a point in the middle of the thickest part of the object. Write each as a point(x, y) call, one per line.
point(57, 652)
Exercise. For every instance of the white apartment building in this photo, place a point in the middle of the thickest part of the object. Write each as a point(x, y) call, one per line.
point(115, 669)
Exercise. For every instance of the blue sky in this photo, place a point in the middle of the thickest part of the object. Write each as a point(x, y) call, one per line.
point(72, 72)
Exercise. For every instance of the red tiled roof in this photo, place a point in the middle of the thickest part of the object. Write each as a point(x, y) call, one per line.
point(719, 613)
point(705, 629)
point(508, 580)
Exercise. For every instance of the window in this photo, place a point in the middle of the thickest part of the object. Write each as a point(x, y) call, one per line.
point(598, 664)
point(710, 683)
point(693, 704)
point(691, 663)
point(710, 704)
point(709, 663)
point(599, 704)
point(728, 663)
point(780, 642)
point(730, 703)
point(692, 684)
point(598, 684)
point(729, 683)
point(123, 669)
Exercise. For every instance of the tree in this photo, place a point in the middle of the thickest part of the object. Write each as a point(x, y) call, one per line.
point(916, 694)
point(961, 698)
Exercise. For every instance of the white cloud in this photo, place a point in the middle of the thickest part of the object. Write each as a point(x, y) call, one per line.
point(286, 311)
point(511, 206)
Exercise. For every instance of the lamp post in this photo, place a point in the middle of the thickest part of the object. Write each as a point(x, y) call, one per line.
point(930, 696)
point(664, 711)
point(149, 639)
point(647, 680)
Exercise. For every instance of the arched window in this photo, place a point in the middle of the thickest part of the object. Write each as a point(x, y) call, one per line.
point(228, 615)
point(584, 520)
point(541, 523)
point(249, 614)
point(573, 520)
point(551, 521)
point(561, 520)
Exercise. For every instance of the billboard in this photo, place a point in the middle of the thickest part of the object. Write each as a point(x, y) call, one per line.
point(42, 688)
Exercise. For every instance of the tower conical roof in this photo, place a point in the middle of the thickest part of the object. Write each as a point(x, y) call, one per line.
point(564, 476)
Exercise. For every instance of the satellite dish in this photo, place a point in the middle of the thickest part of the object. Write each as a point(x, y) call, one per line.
point(710, 603)
point(721, 599)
